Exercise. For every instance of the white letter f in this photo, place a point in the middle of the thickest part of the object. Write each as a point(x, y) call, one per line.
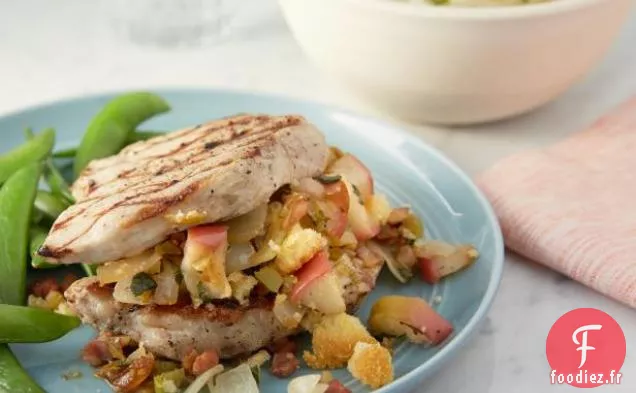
point(583, 344)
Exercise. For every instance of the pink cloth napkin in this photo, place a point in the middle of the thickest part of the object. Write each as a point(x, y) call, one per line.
point(572, 206)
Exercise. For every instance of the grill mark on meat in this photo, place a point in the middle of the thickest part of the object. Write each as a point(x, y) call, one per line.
point(200, 156)
point(160, 205)
point(198, 163)
point(154, 208)
point(64, 248)
point(256, 152)
point(276, 124)
point(122, 175)
point(228, 142)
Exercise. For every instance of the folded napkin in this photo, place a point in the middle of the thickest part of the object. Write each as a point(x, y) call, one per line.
point(572, 206)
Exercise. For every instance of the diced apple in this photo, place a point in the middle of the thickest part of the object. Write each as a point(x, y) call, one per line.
point(203, 263)
point(410, 316)
point(429, 272)
point(363, 225)
point(355, 172)
point(437, 260)
point(329, 218)
point(315, 268)
point(324, 294)
point(294, 209)
point(378, 206)
point(338, 194)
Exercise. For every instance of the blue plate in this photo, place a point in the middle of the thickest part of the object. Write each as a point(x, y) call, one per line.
point(406, 169)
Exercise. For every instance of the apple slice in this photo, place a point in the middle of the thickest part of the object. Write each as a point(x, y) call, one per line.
point(315, 268)
point(410, 316)
point(324, 294)
point(437, 260)
point(355, 172)
point(363, 224)
point(203, 264)
point(329, 218)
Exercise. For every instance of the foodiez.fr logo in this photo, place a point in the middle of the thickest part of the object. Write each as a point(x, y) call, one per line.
point(586, 348)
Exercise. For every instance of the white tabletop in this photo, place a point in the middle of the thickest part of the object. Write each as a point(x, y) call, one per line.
point(55, 49)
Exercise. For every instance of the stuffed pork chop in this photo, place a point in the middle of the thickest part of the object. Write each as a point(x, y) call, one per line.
point(225, 236)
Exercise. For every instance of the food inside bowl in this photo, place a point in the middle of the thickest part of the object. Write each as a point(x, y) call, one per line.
point(217, 244)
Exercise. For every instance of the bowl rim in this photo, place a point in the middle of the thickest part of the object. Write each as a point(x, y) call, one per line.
point(450, 348)
point(526, 11)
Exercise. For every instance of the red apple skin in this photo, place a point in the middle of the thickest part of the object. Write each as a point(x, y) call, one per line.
point(209, 236)
point(337, 194)
point(394, 314)
point(428, 270)
point(315, 268)
point(355, 172)
point(363, 225)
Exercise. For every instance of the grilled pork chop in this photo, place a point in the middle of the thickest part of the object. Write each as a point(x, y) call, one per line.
point(172, 331)
point(207, 173)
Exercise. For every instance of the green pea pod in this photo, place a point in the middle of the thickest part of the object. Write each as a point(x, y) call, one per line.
point(65, 153)
point(37, 236)
point(57, 183)
point(50, 205)
point(108, 132)
point(13, 379)
point(16, 201)
point(137, 136)
point(33, 325)
point(34, 150)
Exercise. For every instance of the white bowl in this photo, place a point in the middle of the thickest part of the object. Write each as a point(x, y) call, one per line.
point(455, 65)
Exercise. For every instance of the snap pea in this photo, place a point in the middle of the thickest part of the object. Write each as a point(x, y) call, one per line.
point(108, 132)
point(37, 236)
point(33, 325)
point(16, 201)
point(49, 204)
point(33, 150)
point(52, 175)
point(65, 153)
point(137, 136)
point(57, 183)
point(13, 379)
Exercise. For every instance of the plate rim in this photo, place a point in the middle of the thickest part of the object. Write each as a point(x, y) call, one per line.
point(447, 351)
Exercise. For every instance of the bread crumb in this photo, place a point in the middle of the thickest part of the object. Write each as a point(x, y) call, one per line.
point(334, 339)
point(371, 364)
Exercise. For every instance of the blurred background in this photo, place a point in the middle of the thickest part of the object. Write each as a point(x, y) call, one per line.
point(65, 48)
point(51, 50)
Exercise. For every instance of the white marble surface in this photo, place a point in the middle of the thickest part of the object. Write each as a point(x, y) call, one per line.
point(50, 50)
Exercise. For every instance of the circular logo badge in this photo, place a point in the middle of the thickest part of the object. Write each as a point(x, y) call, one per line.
point(585, 348)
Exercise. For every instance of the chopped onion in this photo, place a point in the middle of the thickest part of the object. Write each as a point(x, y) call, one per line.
point(167, 291)
point(238, 257)
point(269, 277)
point(286, 312)
point(110, 272)
point(236, 380)
point(402, 273)
point(244, 228)
point(123, 294)
point(307, 384)
point(258, 359)
point(202, 380)
point(311, 187)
